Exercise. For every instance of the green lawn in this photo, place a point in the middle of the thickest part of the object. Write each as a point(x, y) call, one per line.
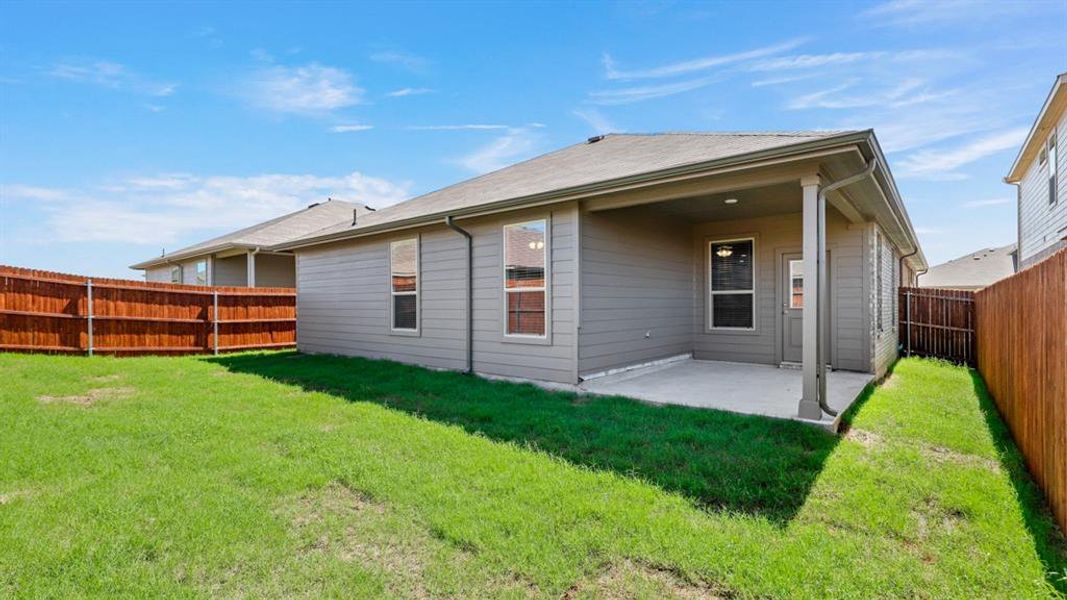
point(287, 475)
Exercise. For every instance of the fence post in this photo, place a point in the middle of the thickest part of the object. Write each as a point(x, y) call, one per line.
point(215, 320)
point(907, 318)
point(89, 313)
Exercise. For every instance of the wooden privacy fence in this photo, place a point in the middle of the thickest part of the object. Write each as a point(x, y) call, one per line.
point(1022, 355)
point(57, 312)
point(938, 323)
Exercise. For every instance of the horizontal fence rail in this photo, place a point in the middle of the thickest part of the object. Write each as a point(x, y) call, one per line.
point(1022, 355)
point(938, 323)
point(42, 311)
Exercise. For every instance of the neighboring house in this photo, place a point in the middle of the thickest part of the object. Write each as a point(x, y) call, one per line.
point(622, 251)
point(243, 258)
point(1038, 174)
point(973, 271)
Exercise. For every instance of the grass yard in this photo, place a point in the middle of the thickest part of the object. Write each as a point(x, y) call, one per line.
point(278, 474)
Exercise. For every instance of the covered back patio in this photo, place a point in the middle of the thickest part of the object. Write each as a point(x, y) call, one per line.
point(758, 290)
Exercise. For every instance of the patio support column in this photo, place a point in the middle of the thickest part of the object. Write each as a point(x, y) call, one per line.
point(250, 263)
point(813, 240)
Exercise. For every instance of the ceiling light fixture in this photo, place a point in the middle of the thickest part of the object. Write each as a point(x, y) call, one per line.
point(730, 201)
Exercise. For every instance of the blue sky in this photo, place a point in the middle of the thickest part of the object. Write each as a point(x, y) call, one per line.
point(126, 129)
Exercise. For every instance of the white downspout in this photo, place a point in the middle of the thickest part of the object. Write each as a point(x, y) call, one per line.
point(251, 267)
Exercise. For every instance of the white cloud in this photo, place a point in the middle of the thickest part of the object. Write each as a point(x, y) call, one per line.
point(168, 209)
point(460, 127)
point(110, 75)
point(987, 202)
point(910, 13)
point(310, 89)
point(941, 164)
point(597, 121)
point(638, 94)
point(517, 144)
point(809, 61)
point(350, 128)
point(905, 93)
point(406, 60)
point(698, 64)
point(409, 92)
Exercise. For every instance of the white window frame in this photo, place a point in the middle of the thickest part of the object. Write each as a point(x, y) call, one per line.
point(207, 272)
point(175, 270)
point(417, 293)
point(544, 289)
point(712, 292)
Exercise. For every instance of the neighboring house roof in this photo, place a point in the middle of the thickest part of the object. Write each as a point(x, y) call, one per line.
point(269, 233)
point(1050, 114)
point(973, 271)
point(599, 162)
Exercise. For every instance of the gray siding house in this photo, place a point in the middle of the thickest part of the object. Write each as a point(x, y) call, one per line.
point(625, 250)
point(1038, 174)
point(243, 258)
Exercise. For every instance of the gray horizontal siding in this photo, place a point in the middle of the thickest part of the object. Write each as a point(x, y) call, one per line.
point(1042, 226)
point(637, 279)
point(343, 301)
point(774, 236)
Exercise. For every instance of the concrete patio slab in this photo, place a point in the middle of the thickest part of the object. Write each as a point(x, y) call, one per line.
point(742, 388)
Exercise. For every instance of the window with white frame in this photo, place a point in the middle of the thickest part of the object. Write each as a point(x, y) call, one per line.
point(1053, 167)
point(732, 284)
point(175, 274)
point(525, 278)
point(404, 284)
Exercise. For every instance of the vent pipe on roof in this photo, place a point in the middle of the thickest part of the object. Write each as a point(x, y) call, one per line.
point(594, 139)
point(355, 215)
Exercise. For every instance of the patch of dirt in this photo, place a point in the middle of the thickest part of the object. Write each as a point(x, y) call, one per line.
point(867, 439)
point(91, 397)
point(942, 455)
point(9, 497)
point(630, 579)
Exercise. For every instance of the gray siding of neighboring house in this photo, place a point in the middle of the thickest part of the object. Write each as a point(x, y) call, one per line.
point(275, 270)
point(188, 268)
point(1043, 226)
point(232, 271)
point(343, 301)
point(774, 236)
point(637, 290)
point(158, 274)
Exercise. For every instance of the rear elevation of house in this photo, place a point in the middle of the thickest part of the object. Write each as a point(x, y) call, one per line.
point(1038, 174)
point(244, 258)
point(625, 250)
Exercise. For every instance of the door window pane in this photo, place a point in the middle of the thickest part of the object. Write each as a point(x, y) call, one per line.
point(796, 284)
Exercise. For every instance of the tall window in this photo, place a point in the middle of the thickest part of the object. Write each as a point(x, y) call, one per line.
point(404, 284)
point(732, 284)
point(525, 258)
point(176, 274)
point(201, 272)
point(1053, 167)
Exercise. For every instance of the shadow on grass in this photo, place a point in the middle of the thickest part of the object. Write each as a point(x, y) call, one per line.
point(719, 460)
point(1049, 541)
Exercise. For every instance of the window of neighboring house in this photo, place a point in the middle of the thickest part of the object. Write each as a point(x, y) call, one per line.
point(201, 272)
point(404, 284)
point(175, 274)
point(1053, 167)
point(525, 277)
point(879, 283)
point(732, 284)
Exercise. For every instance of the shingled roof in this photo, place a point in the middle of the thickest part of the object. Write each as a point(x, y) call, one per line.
point(601, 159)
point(268, 233)
point(973, 271)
